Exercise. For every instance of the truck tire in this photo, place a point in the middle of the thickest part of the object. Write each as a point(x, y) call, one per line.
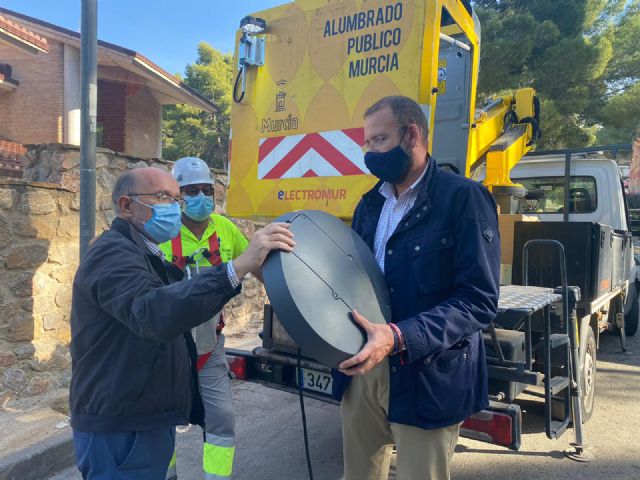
point(588, 373)
point(632, 318)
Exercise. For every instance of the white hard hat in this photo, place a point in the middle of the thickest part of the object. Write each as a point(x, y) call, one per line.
point(191, 171)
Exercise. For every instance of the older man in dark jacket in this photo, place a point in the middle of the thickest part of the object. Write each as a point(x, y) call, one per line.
point(435, 236)
point(133, 376)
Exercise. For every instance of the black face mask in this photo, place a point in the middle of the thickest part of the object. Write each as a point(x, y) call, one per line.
point(392, 166)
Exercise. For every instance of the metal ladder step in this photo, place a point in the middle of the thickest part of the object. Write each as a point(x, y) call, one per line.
point(558, 428)
point(558, 384)
point(558, 339)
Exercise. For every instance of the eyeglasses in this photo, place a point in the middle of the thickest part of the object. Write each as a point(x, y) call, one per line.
point(193, 190)
point(378, 142)
point(162, 197)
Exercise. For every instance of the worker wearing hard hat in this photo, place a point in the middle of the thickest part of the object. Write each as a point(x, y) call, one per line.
point(207, 239)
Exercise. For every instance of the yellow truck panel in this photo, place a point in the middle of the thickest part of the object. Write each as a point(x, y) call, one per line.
point(296, 140)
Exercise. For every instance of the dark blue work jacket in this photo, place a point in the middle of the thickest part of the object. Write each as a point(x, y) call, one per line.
point(442, 268)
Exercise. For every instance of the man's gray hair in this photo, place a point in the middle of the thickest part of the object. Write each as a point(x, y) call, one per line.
point(125, 185)
point(405, 110)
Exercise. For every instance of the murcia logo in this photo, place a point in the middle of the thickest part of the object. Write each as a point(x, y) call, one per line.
point(281, 96)
point(286, 124)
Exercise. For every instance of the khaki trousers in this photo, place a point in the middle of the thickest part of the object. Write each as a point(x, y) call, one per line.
point(367, 436)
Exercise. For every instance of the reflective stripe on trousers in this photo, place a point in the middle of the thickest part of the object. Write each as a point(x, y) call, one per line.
point(217, 457)
point(171, 471)
point(215, 388)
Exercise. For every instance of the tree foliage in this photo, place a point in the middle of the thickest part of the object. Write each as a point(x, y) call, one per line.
point(188, 131)
point(581, 56)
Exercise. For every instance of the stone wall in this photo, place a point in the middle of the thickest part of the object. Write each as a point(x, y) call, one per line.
point(39, 220)
point(36, 248)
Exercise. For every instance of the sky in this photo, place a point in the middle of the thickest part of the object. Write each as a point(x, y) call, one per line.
point(167, 32)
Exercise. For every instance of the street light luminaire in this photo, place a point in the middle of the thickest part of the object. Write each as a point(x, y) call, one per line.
point(251, 51)
point(252, 25)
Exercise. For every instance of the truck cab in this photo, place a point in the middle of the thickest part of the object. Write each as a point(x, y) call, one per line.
point(596, 195)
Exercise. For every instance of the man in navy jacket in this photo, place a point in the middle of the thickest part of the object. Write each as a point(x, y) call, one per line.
point(435, 236)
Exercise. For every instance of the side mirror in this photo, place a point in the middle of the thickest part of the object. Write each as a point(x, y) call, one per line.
point(633, 207)
point(535, 194)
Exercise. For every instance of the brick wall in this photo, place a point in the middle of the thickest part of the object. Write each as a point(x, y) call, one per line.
point(144, 125)
point(11, 150)
point(11, 155)
point(32, 113)
point(112, 111)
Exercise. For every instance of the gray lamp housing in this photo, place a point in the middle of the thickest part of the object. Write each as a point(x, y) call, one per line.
point(314, 289)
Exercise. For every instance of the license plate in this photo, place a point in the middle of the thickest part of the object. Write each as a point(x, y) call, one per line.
point(316, 381)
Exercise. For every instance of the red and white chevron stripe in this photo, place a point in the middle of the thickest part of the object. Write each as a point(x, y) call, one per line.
point(324, 154)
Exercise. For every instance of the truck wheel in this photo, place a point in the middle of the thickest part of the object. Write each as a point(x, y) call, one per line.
point(631, 319)
point(588, 367)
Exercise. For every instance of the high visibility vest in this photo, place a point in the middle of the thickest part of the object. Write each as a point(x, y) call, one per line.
point(212, 255)
point(230, 243)
point(221, 241)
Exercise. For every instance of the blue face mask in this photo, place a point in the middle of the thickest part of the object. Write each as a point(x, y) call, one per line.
point(392, 166)
point(198, 207)
point(165, 222)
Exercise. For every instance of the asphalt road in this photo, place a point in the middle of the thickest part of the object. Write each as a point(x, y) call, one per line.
point(271, 442)
point(270, 438)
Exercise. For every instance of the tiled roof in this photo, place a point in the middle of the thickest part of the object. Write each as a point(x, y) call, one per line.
point(11, 164)
point(20, 33)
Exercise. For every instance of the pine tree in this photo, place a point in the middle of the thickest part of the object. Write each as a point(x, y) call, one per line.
point(188, 131)
point(574, 53)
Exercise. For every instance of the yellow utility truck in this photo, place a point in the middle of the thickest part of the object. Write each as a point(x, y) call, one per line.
point(306, 72)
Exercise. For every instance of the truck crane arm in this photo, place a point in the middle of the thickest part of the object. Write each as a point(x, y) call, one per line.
point(503, 132)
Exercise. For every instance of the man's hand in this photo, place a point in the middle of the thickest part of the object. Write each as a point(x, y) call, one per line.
point(275, 236)
point(379, 345)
